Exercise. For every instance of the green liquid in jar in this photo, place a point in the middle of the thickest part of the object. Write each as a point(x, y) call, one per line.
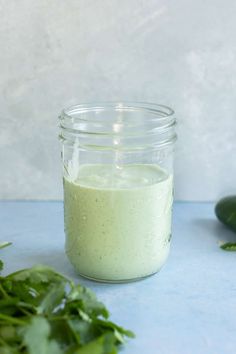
point(118, 222)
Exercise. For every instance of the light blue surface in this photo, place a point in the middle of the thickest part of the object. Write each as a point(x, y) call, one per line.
point(188, 308)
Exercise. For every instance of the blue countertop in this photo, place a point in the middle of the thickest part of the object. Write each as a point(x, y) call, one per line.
point(187, 308)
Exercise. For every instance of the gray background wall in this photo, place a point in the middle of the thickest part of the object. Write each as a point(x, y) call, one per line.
point(56, 53)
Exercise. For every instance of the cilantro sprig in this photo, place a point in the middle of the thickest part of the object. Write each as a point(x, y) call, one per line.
point(229, 246)
point(44, 312)
point(3, 245)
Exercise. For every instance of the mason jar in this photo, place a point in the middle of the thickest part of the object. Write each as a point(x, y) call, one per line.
point(118, 188)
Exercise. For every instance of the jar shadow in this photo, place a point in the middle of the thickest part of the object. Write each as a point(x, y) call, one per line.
point(58, 261)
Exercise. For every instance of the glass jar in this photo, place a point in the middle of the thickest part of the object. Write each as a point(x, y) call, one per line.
point(118, 188)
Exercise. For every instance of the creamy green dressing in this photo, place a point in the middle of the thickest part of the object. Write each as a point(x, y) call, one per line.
point(118, 221)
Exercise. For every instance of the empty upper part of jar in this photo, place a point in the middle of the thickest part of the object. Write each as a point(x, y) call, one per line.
point(118, 126)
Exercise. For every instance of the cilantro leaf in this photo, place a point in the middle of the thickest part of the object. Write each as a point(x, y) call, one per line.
point(3, 245)
point(102, 345)
point(36, 337)
point(87, 300)
point(229, 246)
point(52, 299)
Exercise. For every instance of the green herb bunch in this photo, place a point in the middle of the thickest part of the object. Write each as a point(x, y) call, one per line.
point(43, 312)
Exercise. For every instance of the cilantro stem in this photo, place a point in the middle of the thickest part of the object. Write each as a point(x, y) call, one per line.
point(4, 292)
point(12, 320)
point(5, 244)
point(3, 342)
point(58, 318)
point(27, 313)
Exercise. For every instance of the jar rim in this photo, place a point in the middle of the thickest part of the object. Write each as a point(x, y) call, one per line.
point(164, 111)
point(142, 120)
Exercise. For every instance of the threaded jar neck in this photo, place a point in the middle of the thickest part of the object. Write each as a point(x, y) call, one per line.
point(118, 125)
